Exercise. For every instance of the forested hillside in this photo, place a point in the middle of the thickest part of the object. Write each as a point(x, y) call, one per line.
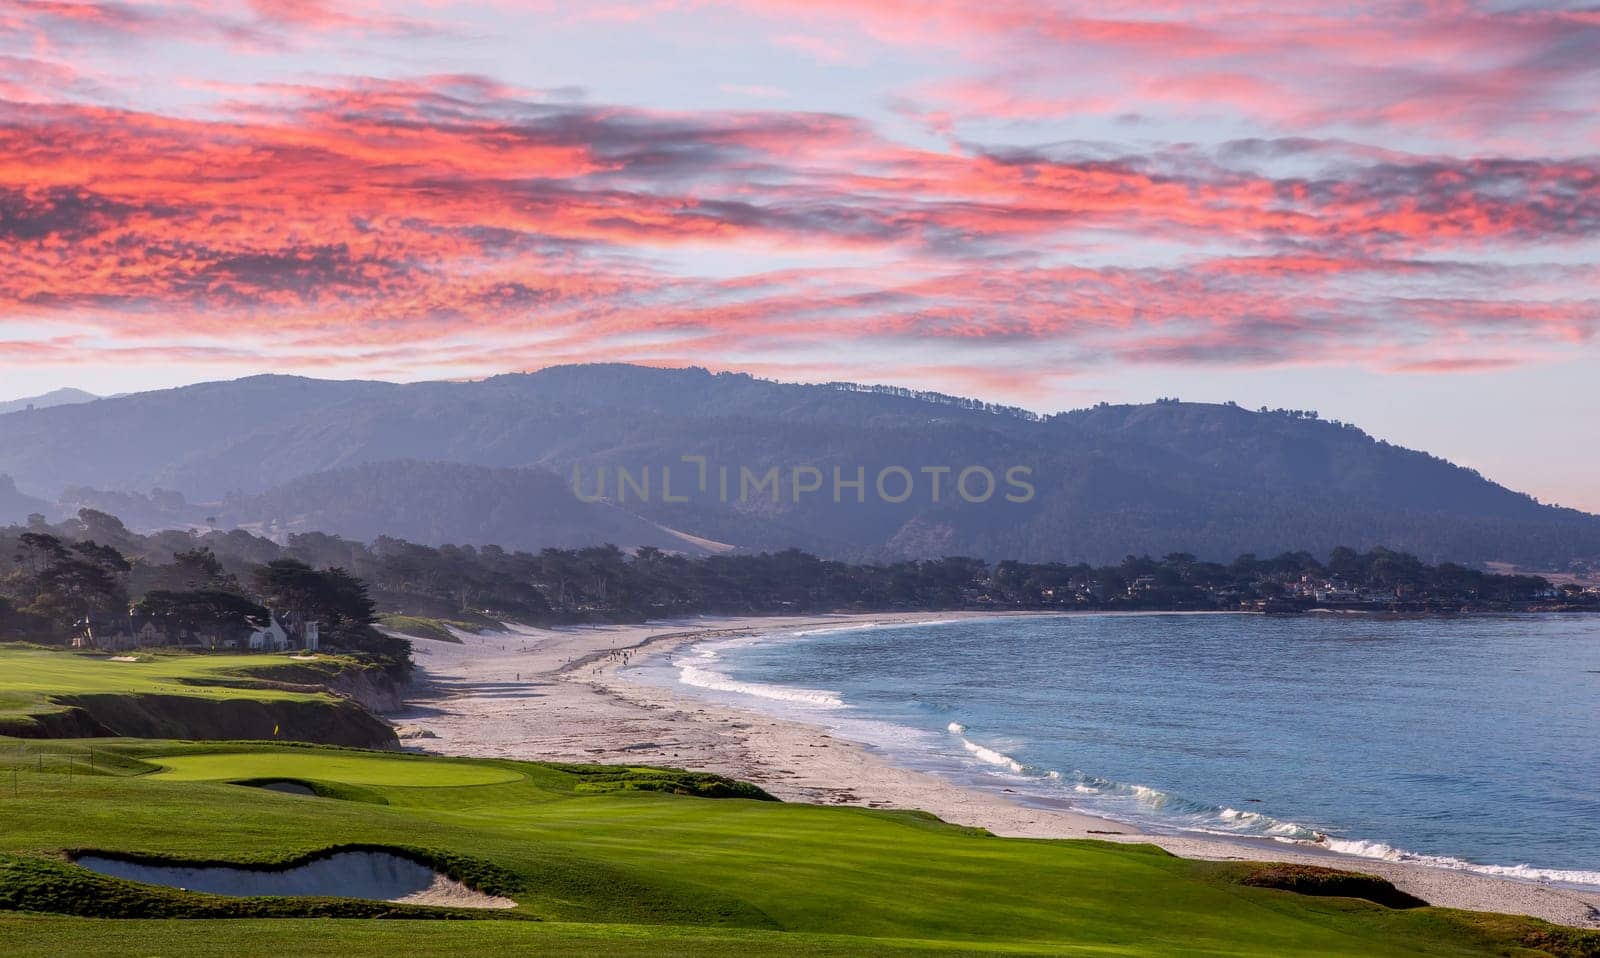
point(54, 576)
point(494, 462)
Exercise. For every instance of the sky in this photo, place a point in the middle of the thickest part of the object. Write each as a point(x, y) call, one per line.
point(1385, 211)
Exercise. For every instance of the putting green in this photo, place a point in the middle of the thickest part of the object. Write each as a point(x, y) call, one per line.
point(348, 769)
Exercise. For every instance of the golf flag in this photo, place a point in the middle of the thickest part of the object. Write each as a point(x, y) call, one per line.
point(275, 731)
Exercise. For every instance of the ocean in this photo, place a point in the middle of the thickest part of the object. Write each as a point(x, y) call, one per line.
point(1465, 742)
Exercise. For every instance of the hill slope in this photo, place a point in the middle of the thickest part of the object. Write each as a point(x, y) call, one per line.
point(56, 397)
point(435, 503)
point(1215, 480)
point(14, 505)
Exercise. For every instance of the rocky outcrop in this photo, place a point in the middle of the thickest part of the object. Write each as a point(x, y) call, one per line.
point(373, 689)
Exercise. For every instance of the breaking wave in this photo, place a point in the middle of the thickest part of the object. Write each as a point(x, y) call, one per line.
point(1143, 805)
point(695, 669)
point(868, 627)
point(992, 757)
point(1388, 853)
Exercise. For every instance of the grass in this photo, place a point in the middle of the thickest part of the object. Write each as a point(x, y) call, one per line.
point(423, 627)
point(33, 677)
point(345, 768)
point(53, 694)
point(610, 863)
point(44, 938)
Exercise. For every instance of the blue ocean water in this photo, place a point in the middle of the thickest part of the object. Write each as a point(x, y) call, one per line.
point(1464, 741)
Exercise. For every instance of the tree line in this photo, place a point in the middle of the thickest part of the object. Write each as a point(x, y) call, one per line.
point(56, 580)
point(52, 576)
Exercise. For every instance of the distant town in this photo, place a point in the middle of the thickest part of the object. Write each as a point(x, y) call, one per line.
point(1380, 580)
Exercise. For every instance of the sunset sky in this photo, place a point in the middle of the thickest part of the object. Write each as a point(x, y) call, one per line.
point(1386, 211)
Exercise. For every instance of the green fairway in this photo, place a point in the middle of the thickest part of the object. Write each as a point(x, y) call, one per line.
point(30, 677)
point(610, 863)
point(44, 938)
point(350, 769)
point(53, 694)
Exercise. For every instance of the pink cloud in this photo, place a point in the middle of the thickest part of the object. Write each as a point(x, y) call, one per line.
point(812, 46)
point(457, 221)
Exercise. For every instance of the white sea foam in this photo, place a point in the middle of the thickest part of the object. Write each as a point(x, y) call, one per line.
point(695, 669)
point(869, 627)
point(1172, 811)
point(1133, 803)
point(1388, 853)
point(708, 679)
point(982, 752)
point(991, 757)
point(1562, 876)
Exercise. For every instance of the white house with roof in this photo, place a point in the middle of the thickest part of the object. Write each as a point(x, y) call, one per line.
point(310, 634)
point(276, 636)
point(269, 638)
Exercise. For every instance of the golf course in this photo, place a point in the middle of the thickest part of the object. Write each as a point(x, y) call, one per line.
point(634, 858)
point(555, 859)
point(52, 694)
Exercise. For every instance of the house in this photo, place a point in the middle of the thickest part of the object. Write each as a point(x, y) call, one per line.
point(304, 633)
point(286, 632)
point(271, 637)
point(147, 632)
point(113, 633)
point(119, 633)
point(1332, 594)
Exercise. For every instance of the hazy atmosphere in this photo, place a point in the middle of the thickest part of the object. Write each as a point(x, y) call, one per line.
point(799, 478)
point(1384, 211)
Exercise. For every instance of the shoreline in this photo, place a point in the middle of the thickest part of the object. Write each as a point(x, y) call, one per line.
point(557, 695)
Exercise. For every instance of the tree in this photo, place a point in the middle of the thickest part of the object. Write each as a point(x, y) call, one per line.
point(71, 583)
point(203, 611)
point(332, 597)
point(290, 586)
point(342, 600)
point(37, 551)
point(198, 570)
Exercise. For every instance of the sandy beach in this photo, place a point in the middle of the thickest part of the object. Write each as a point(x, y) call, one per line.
point(555, 694)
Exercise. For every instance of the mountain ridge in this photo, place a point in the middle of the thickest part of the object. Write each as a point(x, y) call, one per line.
point(1212, 479)
point(65, 396)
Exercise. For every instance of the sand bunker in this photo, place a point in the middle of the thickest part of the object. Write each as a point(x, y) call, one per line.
point(376, 876)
